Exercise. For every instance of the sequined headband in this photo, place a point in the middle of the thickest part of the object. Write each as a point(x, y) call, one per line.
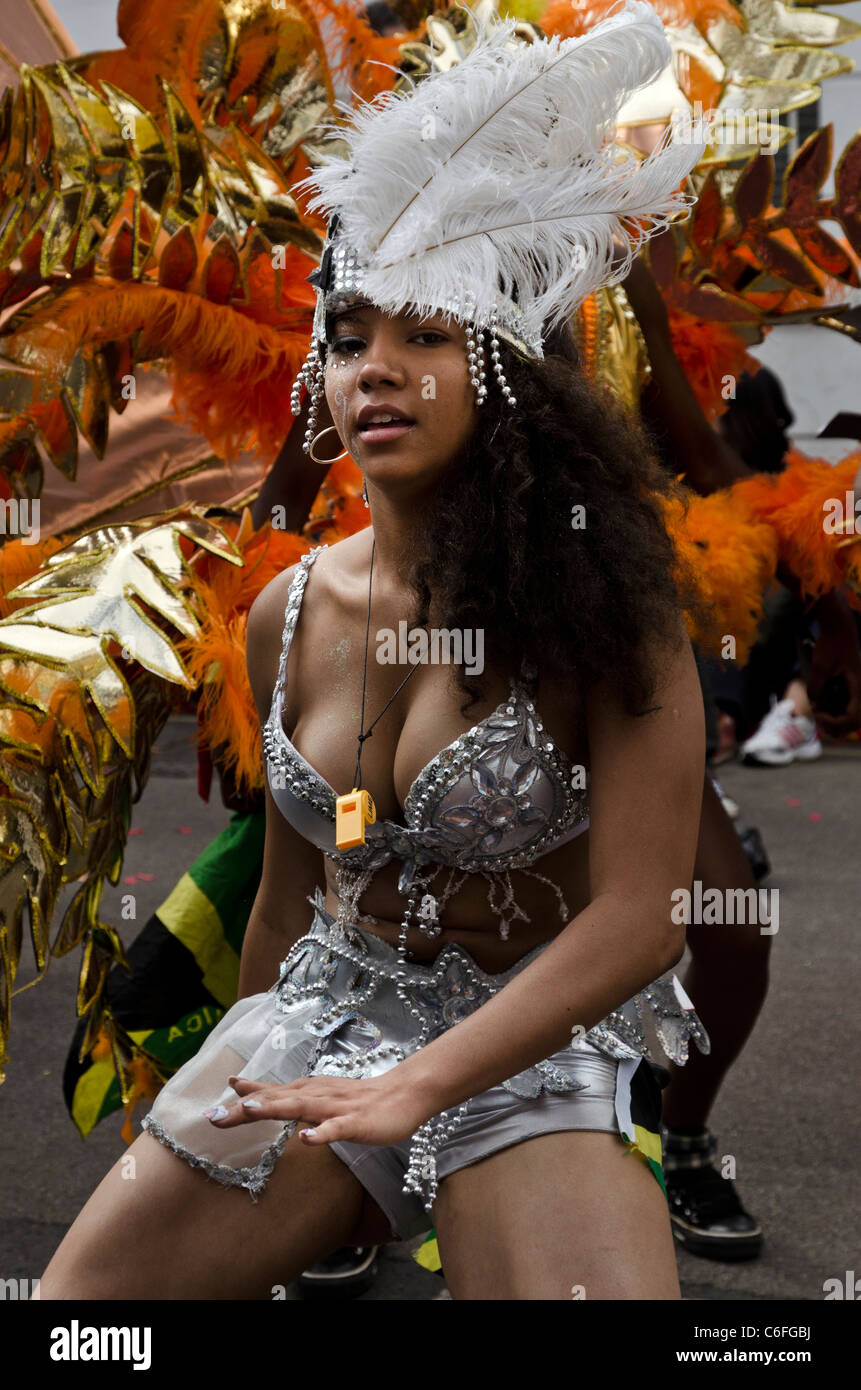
point(339, 281)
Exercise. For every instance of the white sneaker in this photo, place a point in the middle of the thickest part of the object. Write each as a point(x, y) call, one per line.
point(782, 737)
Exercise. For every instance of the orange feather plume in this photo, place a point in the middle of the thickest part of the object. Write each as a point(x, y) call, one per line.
point(173, 40)
point(356, 53)
point(798, 505)
point(708, 353)
point(733, 556)
point(234, 374)
point(215, 656)
point(570, 18)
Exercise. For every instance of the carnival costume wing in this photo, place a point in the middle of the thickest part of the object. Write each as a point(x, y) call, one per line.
point(88, 680)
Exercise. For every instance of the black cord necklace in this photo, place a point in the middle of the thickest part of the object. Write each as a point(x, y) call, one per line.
point(355, 809)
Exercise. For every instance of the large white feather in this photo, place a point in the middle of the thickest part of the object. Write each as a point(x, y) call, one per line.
point(502, 174)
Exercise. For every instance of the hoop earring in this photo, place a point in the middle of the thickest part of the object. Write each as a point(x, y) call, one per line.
point(325, 462)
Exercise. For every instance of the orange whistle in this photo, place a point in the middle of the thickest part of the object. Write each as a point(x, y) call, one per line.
point(353, 811)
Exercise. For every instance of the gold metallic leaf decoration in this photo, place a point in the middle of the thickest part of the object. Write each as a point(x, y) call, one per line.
point(96, 588)
point(747, 76)
point(77, 724)
point(449, 35)
point(612, 349)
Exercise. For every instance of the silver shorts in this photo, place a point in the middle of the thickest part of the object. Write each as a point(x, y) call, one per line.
point(335, 1011)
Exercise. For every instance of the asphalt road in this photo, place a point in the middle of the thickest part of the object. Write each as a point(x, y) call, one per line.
point(788, 1111)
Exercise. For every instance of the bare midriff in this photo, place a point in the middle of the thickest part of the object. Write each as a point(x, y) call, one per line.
point(466, 918)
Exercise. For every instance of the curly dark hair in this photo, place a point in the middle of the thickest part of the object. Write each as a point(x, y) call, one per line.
point(500, 552)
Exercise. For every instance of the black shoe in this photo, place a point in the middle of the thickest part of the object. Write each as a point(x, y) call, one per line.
point(753, 847)
point(345, 1273)
point(705, 1211)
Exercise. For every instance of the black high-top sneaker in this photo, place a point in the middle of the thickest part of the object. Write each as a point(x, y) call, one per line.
point(705, 1210)
point(345, 1273)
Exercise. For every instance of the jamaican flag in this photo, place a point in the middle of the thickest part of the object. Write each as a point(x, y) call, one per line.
point(184, 969)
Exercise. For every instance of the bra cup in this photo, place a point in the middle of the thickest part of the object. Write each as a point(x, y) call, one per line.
point(499, 819)
point(313, 825)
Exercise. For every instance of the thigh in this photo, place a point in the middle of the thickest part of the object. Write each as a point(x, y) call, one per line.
point(561, 1212)
point(171, 1232)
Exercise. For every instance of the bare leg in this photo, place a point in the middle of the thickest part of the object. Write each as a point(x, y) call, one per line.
point(172, 1233)
point(796, 691)
point(564, 1211)
point(728, 974)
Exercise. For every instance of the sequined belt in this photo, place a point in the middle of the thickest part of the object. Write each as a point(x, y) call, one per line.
point(351, 970)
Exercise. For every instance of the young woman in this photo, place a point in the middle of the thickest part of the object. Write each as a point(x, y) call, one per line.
point(456, 1037)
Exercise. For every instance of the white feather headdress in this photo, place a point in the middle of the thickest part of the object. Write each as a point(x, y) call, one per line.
point(502, 174)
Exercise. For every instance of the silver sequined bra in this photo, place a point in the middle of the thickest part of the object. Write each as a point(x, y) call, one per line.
point(495, 799)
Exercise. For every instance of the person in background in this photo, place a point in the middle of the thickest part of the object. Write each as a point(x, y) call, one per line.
point(776, 700)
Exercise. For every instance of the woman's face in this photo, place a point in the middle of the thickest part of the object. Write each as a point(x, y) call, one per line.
point(403, 365)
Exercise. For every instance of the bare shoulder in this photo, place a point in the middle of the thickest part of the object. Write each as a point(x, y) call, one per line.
point(339, 581)
point(338, 564)
point(344, 561)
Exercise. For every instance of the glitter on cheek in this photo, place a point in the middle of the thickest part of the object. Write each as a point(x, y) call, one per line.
point(338, 406)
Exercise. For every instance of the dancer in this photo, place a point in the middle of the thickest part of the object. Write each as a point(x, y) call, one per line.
point(471, 499)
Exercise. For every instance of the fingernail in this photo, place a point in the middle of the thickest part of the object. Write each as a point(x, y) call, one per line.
point(309, 1132)
point(252, 1104)
point(217, 1112)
